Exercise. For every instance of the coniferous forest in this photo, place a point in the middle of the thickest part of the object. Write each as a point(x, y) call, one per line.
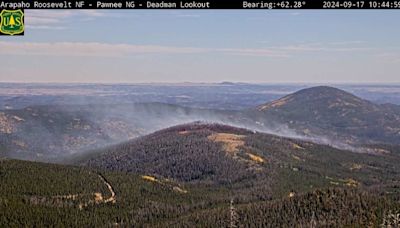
point(204, 175)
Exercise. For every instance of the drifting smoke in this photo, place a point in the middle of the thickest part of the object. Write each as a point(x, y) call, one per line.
point(53, 133)
point(142, 119)
point(77, 121)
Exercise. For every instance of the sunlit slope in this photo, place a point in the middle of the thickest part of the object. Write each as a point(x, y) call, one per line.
point(335, 115)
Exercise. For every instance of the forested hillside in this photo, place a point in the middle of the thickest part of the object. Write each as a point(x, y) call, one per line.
point(237, 158)
point(321, 208)
point(334, 115)
point(43, 195)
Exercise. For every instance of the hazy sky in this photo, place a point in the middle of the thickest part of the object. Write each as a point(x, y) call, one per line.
point(312, 46)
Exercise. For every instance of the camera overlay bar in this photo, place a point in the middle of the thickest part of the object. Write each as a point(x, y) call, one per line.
point(198, 4)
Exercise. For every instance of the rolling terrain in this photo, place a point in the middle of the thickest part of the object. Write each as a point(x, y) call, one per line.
point(320, 157)
point(52, 133)
point(323, 115)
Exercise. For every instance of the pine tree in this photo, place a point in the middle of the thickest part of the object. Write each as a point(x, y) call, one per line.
point(12, 21)
point(234, 216)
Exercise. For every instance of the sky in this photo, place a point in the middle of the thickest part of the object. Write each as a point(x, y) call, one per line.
point(254, 46)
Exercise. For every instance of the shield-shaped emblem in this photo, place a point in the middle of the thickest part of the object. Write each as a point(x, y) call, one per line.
point(12, 22)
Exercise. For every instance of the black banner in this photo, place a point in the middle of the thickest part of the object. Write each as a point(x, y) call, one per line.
point(198, 4)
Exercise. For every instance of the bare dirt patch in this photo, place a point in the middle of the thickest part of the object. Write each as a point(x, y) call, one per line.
point(231, 142)
point(256, 158)
point(167, 183)
point(184, 132)
point(296, 146)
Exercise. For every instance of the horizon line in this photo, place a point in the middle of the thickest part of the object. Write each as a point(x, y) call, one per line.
point(202, 83)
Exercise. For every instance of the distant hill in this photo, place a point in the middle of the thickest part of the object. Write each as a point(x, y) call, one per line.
point(335, 115)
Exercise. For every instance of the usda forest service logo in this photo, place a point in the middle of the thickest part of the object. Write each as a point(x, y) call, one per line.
point(12, 22)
